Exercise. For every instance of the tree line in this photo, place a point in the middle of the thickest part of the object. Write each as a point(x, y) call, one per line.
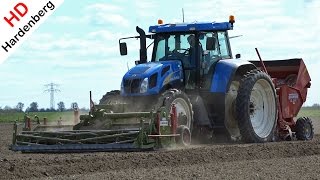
point(34, 107)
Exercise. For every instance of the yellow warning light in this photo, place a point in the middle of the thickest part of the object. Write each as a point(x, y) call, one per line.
point(160, 21)
point(231, 19)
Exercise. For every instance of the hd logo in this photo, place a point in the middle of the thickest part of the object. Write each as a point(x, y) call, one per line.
point(19, 19)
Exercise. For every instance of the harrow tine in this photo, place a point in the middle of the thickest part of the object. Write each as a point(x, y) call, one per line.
point(107, 137)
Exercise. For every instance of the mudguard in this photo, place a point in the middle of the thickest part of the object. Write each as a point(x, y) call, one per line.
point(214, 99)
point(224, 72)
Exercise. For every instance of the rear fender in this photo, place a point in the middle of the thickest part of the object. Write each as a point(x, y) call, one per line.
point(226, 71)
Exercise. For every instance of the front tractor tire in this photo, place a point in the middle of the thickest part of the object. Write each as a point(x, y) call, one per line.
point(304, 129)
point(183, 106)
point(112, 97)
point(256, 107)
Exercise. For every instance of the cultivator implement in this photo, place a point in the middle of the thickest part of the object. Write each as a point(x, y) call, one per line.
point(153, 130)
point(77, 141)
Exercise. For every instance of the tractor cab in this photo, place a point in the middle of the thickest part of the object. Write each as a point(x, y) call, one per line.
point(185, 56)
point(198, 46)
point(190, 64)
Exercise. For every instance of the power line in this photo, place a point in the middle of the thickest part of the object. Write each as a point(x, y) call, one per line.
point(52, 88)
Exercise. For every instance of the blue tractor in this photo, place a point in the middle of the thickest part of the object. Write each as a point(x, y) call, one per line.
point(191, 89)
point(192, 66)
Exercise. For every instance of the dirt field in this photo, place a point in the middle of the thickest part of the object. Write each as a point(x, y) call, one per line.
point(285, 160)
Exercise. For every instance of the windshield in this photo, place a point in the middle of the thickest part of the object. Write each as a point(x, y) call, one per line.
point(172, 46)
point(182, 46)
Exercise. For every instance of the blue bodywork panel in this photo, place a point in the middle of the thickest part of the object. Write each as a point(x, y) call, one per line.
point(197, 26)
point(223, 74)
point(168, 72)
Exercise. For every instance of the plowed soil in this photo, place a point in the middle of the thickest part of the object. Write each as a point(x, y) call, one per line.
point(279, 160)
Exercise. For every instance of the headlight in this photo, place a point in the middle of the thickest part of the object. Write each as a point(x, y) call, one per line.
point(144, 86)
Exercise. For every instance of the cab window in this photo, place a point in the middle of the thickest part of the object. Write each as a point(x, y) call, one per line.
point(208, 57)
point(223, 45)
point(174, 46)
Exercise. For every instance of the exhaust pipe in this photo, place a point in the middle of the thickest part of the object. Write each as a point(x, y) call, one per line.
point(143, 46)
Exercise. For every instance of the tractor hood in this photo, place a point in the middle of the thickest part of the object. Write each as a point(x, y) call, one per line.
point(143, 68)
point(154, 74)
point(147, 69)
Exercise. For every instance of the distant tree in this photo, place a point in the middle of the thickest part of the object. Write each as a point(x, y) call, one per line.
point(42, 110)
point(20, 106)
point(7, 108)
point(33, 107)
point(84, 109)
point(61, 106)
point(316, 105)
point(74, 105)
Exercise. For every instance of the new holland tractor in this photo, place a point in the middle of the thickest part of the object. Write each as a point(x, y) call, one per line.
point(191, 88)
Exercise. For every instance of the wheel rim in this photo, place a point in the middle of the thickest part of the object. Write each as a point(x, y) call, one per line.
point(186, 136)
point(230, 120)
point(183, 111)
point(307, 130)
point(262, 108)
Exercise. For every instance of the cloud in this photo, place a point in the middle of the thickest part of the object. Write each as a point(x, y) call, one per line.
point(146, 8)
point(146, 4)
point(94, 47)
point(103, 14)
point(64, 20)
point(104, 7)
point(105, 19)
point(97, 14)
point(12, 77)
point(102, 34)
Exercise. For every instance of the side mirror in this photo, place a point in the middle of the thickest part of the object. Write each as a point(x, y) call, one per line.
point(238, 56)
point(123, 49)
point(211, 43)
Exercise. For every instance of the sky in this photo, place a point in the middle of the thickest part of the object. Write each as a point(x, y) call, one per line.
point(77, 46)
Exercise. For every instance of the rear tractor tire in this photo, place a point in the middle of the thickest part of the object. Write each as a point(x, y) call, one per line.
point(304, 129)
point(256, 107)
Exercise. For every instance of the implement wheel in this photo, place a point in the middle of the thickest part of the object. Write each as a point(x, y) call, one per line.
point(185, 136)
point(182, 103)
point(256, 107)
point(304, 129)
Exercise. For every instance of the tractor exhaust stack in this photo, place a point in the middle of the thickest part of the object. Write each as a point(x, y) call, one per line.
point(143, 47)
